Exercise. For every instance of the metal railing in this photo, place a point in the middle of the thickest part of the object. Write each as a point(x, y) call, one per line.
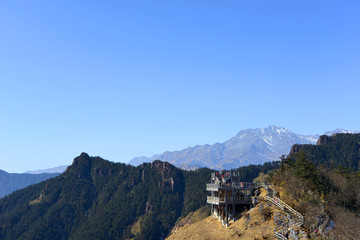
point(280, 231)
point(211, 185)
point(300, 220)
point(232, 185)
point(275, 202)
point(282, 205)
point(229, 200)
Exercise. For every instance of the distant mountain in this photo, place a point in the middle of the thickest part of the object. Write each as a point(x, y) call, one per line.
point(140, 160)
point(188, 167)
point(10, 182)
point(250, 146)
point(340, 130)
point(59, 169)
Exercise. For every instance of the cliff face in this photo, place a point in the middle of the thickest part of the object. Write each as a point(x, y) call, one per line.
point(295, 148)
point(324, 139)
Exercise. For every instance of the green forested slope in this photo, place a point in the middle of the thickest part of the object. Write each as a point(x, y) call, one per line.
point(322, 181)
point(98, 199)
point(95, 199)
point(322, 195)
point(335, 151)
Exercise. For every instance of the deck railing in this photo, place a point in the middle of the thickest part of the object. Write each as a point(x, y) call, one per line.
point(232, 185)
point(300, 219)
point(229, 200)
point(275, 202)
point(280, 231)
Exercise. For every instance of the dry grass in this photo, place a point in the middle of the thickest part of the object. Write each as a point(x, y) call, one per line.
point(38, 200)
point(211, 228)
point(135, 228)
point(192, 218)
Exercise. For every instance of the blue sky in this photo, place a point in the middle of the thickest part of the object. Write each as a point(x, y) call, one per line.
point(122, 79)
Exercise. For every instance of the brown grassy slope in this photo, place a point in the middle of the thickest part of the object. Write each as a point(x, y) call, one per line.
point(252, 227)
point(211, 228)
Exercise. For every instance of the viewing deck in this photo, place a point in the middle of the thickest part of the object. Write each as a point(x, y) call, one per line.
point(228, 195)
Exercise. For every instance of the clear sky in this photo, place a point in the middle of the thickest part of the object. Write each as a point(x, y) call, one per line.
point(121, 79)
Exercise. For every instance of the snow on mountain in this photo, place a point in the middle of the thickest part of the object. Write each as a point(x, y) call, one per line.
point(340, 130)
point(250, 146)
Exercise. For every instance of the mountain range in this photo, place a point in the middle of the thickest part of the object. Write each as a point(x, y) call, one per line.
point(10, 182)
point(59, 169)
point(250, 146)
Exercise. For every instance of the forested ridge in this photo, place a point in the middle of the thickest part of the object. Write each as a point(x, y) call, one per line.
point(323, 182)
point(340, 150)
point(98, 199)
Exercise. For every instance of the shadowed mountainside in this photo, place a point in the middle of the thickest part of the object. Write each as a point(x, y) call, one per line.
point(10, 182)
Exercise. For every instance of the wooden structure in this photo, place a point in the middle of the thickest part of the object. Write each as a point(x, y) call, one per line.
point(229, 196)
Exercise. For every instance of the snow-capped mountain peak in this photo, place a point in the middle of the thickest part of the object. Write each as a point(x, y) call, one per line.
point(250, 146)
point(340, 130)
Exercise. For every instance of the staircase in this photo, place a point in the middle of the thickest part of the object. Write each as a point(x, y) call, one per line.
point(280, 231)
point(299, 218)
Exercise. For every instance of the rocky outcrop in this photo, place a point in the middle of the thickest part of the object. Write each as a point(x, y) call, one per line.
point(295, 148)
point(324, 139)
point(167, 173)
point(81, 166)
